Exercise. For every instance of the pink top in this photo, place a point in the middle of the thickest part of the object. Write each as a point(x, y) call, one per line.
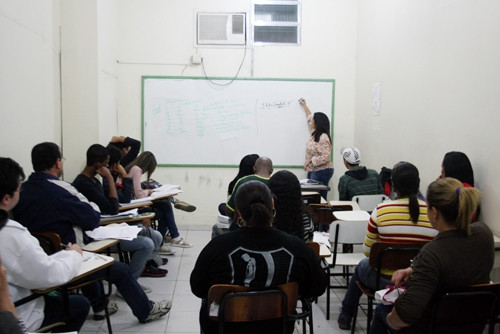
point(318, 154)
point(135, 174)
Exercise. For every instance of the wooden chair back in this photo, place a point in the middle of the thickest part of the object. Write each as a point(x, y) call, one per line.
point(322, 213)
point(389, 256)
point(49, 241)
point(315, 247)
point(234, 303)
point(393, 256)
point(463, 312)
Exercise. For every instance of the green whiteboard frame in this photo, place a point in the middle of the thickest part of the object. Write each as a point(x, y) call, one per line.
point(145, 77)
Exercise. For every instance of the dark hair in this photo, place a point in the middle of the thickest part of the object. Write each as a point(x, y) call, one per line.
point(246, 168)
point(44, 156)
point(145, 161)
point(455, 202)
point(322, 125)
point(254, 203)
point(11, 174)
point(115, 154)
point(287, 202)
point(119, 145)
point(458, 166)
point(406, 181)
point(96, 154)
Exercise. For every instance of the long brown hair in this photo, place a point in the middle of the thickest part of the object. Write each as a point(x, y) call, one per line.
point(455, 202)
point(145, 161)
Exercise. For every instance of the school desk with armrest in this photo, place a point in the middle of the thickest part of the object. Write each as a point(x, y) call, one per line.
point(51, 243)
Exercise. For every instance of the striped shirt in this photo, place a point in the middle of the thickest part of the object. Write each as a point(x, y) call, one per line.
point(391, 222)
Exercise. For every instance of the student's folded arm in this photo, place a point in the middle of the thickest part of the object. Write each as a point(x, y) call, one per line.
point(135, 147)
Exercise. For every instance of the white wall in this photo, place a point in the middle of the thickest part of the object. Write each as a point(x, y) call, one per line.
point(437, 62)
point(156, 38)
point(438, 65)
point(29, 77)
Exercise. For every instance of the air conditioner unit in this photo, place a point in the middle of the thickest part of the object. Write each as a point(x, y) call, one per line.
point(221, 29)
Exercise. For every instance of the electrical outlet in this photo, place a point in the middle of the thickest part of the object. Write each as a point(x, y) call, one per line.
point(196, 59)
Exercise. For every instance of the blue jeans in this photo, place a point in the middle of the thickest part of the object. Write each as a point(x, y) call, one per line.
point(166, 221)
point(120, 275)
point(322, 176)
point(142, 251)
point(368, 276)
point(79, 307)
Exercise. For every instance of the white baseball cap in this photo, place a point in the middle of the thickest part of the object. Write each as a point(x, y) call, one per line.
point(351, 155)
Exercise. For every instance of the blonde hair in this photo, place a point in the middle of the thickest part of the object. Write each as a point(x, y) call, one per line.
point(455, 202)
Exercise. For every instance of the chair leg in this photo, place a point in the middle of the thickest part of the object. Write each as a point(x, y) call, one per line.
point(369, 315)
point(311, 326)
point(328, 287)
point(106, 311)
point(354, 318)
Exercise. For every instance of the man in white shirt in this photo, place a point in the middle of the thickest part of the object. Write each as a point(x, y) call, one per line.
point(29, 267)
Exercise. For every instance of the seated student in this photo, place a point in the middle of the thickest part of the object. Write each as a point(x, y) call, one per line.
point(461, 255)
point(145, 163)
point(262, 172)
point(48, 204)
point(291, 216)
point(123, 183)
point(29, 267)
point(277, 257)
point(130, 149)
point(357, 180)
point(246, 167)
point(403, 220)
point(125, 190)
point(457, 165)
point(143, 247)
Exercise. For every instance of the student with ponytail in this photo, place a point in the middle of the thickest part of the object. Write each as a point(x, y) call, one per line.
point(255, 255)
point(403, 220)
point(462, 254)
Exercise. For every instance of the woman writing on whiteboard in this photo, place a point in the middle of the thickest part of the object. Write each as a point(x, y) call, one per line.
point(318, 164)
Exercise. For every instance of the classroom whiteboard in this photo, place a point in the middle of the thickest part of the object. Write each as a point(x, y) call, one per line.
point(192, 121)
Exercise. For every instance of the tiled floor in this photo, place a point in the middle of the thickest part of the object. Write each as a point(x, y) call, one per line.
point(183, 318)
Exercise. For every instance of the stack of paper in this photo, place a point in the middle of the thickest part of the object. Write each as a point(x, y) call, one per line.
point(321, 238)
point(223, 221)
point(121, 231)
point(124, 214)
point(138, 200)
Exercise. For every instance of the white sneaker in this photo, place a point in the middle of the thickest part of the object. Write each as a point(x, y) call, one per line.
point(101, 315)
point(146, 289)
point(165, 250)
point(159, 310)
point(180, 243)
